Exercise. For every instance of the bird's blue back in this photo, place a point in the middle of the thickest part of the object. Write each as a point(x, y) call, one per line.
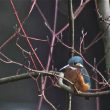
point(86, 76)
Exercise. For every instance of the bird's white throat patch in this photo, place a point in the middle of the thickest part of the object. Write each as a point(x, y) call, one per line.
point(79, 64)
point(73, 68)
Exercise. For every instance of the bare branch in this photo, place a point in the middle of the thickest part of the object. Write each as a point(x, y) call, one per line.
point(36, 73)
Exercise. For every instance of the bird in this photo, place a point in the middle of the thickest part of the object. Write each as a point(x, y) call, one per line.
point(77, 74)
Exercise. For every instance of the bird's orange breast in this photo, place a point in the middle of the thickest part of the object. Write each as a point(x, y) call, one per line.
point(77, 79)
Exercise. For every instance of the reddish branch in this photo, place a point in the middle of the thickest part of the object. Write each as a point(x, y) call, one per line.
point(25, 34)
point(50, 53)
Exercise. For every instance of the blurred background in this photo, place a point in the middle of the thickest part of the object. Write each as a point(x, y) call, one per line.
point(23, 95)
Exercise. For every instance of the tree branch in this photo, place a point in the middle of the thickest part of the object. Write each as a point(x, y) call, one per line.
point(71, 24)
point(18, 77)
point(15, 78)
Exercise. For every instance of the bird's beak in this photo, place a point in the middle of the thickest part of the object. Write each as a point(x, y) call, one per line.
point(64, 67)
point(79, 64)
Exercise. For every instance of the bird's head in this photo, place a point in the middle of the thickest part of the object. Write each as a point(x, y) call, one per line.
point(75, 60)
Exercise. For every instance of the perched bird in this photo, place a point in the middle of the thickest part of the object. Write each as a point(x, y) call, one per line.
point(76, 73)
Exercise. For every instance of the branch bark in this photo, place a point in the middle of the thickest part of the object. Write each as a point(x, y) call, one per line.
point(71, 25)
point(15, 78)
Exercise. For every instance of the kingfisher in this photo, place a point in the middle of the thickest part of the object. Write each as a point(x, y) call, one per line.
point(76, 73)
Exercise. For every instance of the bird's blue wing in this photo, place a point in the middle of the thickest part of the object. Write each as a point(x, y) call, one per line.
point(86, 76)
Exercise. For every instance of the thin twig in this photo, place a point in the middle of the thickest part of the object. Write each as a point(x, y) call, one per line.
point(25, 34)
point(51, 49)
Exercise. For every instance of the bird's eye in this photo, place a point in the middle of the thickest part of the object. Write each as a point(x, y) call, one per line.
point(74, 63)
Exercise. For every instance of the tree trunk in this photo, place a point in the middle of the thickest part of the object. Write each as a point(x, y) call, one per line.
point(104, 10)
